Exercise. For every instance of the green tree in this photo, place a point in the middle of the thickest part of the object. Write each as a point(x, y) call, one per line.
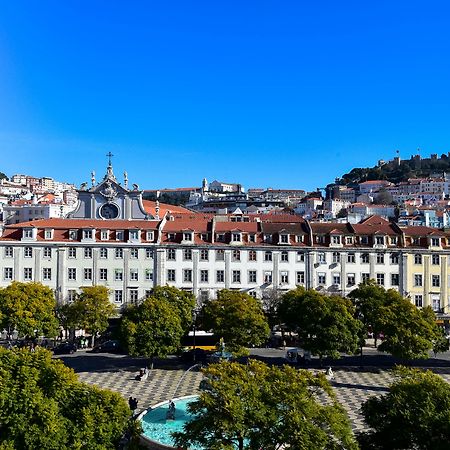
point(236, 317)
point(325, 324)
point(369, 298)
point(44, 406)
point(414, 414)
point(91, 310)
point(29, 308)
point(183, 301)
point(409, 332)
point(152, 329)
point(256, 406)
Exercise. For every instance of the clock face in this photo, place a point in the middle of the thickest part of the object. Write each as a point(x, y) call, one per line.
point(109, 211)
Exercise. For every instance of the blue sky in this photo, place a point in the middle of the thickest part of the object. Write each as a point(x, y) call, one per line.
point(268, 94)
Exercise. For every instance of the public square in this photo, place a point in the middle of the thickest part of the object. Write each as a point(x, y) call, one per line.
point(353, 384)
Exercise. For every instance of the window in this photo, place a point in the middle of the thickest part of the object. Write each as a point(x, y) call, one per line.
point(300, 257)
point(321, 278)
point(48, 234)
point(380, 258)
point(364, 240)
point(204, 295)
point(236, 237)
point(435, 280)
point(72, 252)
point(187, 275)
point(351, 258)
point(252, 255)
point(71, 274)
point(284, 257)
point(284, 239)
point(134, 274)
point(150, 235)
point(394, 240)
point(87, 234)
point(171, 275)
point(349, 240)
point(28, 252)
point(28, 273)
point(251, 238)
point(149, 253)
point(204, 236)
point(418, 279)
point(379, 240)
point(380, 279)
point(27, 233)
point(103, 253)
point(104, 235)
point(395, 279)
point(118, 274)
point(267, 256)
point(133, 235)
point(267, 238)
point(418, 300)
point(119, 253)
point(435, 242)
point(435, 259)
point(46, 273)
point(104, 274)
point(220, 255)
point(148, 274)
point(88, 274)
point(336, 279)
point(364, 258)
point(298, 239)
point(187, 254)
point(171, 237)
point(321, 258)
point(72, 235)
point(300, 277)
point(365, 277)
point(252, 276)
point(336, 257)
point(120, 235)
point(335, 239)
point(204, 255)
point(9, 252)
point(236, 255)
point(395, 258)
point(351, 279)
point(187, 236)
point(268, 277)
point(134, 295)
point(8, 273)
point(220, 237)
point(417, 259)
point(134, 253)
point(204, 276)
point(236, 276)
point(47, 252)
point(88, 252)
point(284, 277)
point(118, 296)
point(171, 256)
point(71, 295)
point(220, 276)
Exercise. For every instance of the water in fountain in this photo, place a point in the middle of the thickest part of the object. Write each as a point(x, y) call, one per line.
point(182, 378)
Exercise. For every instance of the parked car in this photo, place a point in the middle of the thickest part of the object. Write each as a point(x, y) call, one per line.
point(65, 348)
point(111, 346)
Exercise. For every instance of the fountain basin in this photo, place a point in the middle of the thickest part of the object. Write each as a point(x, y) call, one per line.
point(157, 429)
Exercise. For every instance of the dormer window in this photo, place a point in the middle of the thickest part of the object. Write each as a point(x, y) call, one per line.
point(349, 240)
point(335, 239)
point(187, 236)
point(320, 239)
point(394, 240)
point(87, 234)
point(120, 234)
point(284, 238)
point(104, 235)
point(364, 240)
point(268, 238)
point(236, 237)
point(379, 240)
point(28, 233)
point(48, 234)
point(204, 236)
point(298, 239)
point(435, 242)
point(150, 235)
point(73, 235)
point(251, 238)
point(220, 237)
point(134, 235)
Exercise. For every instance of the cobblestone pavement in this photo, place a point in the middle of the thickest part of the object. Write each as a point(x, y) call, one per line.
point(352, 386)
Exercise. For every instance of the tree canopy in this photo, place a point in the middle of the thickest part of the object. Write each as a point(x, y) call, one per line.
point(91, 310)
point(414, 414)
point(236, 317)
point(325, 324)
point(43, 406)
point(256, 406)
point(152, 328)
point(29, 308)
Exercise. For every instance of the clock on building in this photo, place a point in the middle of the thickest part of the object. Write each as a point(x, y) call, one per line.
point(109, 211)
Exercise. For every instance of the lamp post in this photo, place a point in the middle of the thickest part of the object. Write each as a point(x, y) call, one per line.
point(194, 327)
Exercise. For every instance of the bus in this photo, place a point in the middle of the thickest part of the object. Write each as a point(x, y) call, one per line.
point(201, 339)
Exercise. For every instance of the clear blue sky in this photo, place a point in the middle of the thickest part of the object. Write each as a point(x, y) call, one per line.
point(281, 94)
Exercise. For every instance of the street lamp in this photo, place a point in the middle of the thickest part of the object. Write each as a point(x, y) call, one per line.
point(195, 312)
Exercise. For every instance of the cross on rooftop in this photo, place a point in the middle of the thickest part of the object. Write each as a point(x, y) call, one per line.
point(109, 155)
